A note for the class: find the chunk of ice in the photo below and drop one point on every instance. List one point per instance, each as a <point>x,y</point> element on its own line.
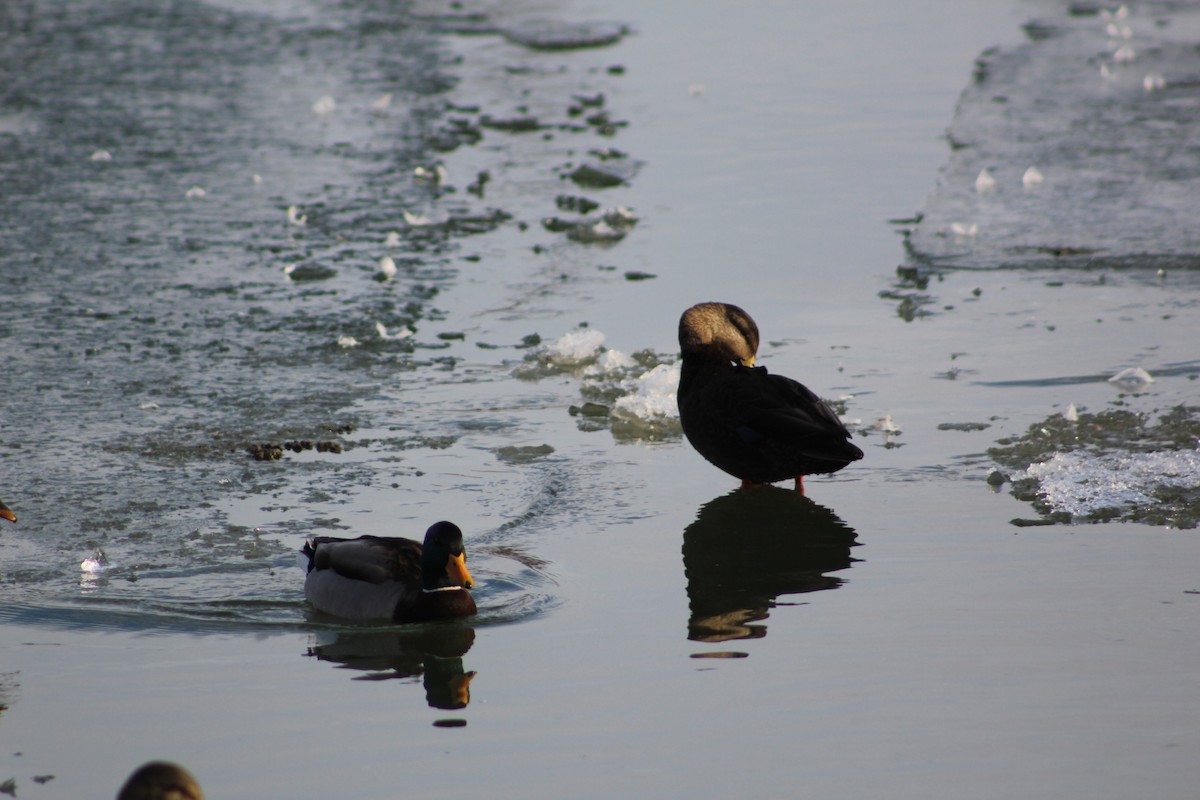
<point>576,346</point>
<point>652,395</point>
<point>1080,483</point>
<point>1131,379</point>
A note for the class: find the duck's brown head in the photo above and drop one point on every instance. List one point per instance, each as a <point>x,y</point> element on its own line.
<point>718,332</point>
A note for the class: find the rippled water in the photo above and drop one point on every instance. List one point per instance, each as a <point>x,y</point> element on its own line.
<point>207,358</point>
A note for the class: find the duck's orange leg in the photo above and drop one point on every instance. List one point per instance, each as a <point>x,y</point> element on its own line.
<point>800,484</point>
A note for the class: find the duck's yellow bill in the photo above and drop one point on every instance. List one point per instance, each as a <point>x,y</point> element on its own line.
<point>456,568</point>
<point>747,362</point>
<point>460,689</point>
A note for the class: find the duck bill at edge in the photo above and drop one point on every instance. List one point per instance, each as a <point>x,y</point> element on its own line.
<point>456,570</point>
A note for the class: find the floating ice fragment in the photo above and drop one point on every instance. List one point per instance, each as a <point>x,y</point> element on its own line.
<point>148,406</point>
<point>387,269</point>
<point>416,220</point>
<point>1124,54</point>
<point>964,229</point>
<point>100,155</point>
<point>1121,12</point>
<point>598,231</point>
<point>1071,414</point>
<point>1154,82</point>
<point>984,181</point>
<point>1106,73</point>
<point>195,193</point>
<point>346,342</point>
<point>1033,177</point>
<point>256,179</point>
<point>1131,379</point>
<point>887,425</point>
<point>1080,482</point>
<point>382,103</point>
<point>575,347</point>
<point>296,218</point>
<point>653,394</point>
<point>1119,30</point>
<point>392,239</point>
<point>435,175</point>
<point>96,562</point>
<point>403,333</point>
<point>610,361</point>
<point>324,106</point>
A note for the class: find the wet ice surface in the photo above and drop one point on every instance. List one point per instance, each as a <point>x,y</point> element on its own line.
<point>206,288</point>
<point>1115,464</point>
<point>1081,484</point>
<point>1075,148</point>
<point>369,265</point>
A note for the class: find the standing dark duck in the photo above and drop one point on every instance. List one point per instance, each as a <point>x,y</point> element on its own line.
<point>758,427</point>
<point>374,577</point>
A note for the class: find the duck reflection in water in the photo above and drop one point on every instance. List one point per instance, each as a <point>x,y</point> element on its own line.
<point>750,546</point>
<point>432,651</point>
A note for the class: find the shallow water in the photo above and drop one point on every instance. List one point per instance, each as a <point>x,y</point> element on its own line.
<point>643,628</point>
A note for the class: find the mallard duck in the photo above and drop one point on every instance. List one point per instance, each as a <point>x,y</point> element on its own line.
<point>161,780</point>
<point>759,427</point>
<point>7,513</point>
<point>375,577</point>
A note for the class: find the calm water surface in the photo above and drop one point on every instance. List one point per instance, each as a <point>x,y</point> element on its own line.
<point>644,630</point>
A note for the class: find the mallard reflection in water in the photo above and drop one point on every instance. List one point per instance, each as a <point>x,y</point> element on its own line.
<point>758,427</point>
<point>434,652</point>
<point>745,549</point>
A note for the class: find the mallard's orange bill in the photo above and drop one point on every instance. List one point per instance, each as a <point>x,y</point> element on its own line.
<point>456,568</point>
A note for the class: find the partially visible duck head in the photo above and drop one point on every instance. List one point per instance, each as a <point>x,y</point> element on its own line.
<point>718,332</point>
<point>161,780</point>
<point>444,559</point>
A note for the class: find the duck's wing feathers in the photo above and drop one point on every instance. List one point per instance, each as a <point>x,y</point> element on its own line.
<point>784,410</point>
<point>368,558</point>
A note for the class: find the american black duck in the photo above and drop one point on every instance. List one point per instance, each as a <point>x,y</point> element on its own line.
<point>758,427</point>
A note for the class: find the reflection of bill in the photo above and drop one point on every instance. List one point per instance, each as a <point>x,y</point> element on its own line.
<point>434,652</point>
<point>750,546</point>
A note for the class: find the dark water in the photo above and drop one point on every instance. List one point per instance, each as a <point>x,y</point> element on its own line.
<point>643,629</point>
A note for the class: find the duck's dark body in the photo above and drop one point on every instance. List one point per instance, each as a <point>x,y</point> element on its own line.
<point>758,427</point>
<point>375,577</point>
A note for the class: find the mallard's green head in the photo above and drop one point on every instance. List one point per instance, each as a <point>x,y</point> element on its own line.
<point>444,559</point>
